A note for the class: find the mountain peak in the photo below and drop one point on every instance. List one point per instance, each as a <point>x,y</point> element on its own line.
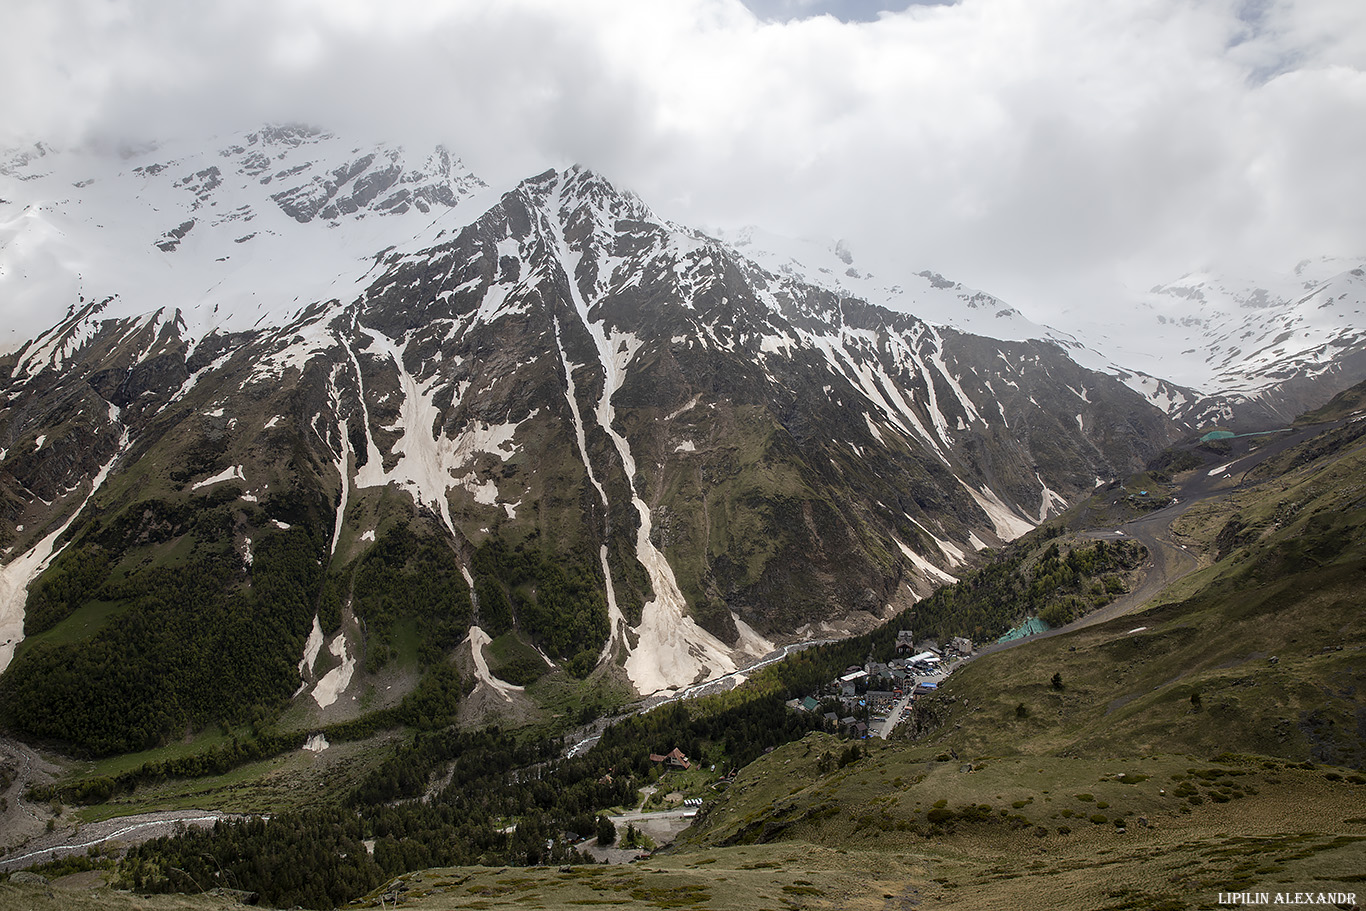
<point>238,233</point>
<point>579,190</point>
<point>291,135</point>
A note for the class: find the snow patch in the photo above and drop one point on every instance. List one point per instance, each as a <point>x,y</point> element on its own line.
<point>1048,499</point>
<point>316,743</point>
<point>304,343</point>
<point>750,640</point>
<point>955,554</point>
<point>1009,526</point>
<point>872,428</point>
<point>1157,392</point>
<point>925,566</point>
<point>616,620</point>
<point>335,681</point>
<point>685,446</point>
<point>483,491</point>
<point>874,383</point>
<point>343,464</point>
<point>428,459</point>
<point>936,359</point>
<point>776,344</point>
<point>672,650</point>
<point>19,573</point>
<point>692,403</point>
<point>477,640</point>
<point>233,472</point>
<point>312,648</point>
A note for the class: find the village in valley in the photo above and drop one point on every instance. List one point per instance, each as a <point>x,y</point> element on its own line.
<point>863,702</point>
<point>870,701</point>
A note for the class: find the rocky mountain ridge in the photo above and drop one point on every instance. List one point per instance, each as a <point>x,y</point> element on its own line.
<point>1209,349</point>
<point>637,447</point>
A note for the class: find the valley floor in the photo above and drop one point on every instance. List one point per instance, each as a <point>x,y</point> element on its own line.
<point>119,832</point>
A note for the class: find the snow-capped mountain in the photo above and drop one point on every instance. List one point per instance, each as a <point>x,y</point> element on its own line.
<point>1207,349</point>
<point>928,295</point>
<point>546,415</point>
<point>1259,352</point>
<point>213,233</point>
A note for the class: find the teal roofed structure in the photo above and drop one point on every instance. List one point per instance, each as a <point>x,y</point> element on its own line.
<point>1030,627</point>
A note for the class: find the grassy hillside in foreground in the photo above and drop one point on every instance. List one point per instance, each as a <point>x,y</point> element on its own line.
<point>1159,831</point>
<point>1264,653</point>
<point>900,829</point>
<point>77,892</point>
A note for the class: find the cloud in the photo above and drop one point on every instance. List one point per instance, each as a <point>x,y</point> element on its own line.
<point>844,10</point>
<point>1042,149</point>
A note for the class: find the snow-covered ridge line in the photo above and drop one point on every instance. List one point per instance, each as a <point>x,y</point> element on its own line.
<point>442,362</point>
<point>240,232</point>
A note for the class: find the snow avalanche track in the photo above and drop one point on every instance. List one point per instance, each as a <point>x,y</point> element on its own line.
<point>16,575</point>
<point>672,651</point>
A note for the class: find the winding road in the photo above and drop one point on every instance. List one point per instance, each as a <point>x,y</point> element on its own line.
<point>1168,561</point>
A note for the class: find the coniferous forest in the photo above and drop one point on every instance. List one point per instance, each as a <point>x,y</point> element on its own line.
<point>513,798</point>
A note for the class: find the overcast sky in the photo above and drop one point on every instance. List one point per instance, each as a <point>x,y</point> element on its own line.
<point>1040,149</point>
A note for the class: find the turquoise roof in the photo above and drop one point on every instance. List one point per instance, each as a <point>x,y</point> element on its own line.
<point>1029,628</point>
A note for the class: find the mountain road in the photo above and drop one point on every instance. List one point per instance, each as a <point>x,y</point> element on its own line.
<point>1169,561</point>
